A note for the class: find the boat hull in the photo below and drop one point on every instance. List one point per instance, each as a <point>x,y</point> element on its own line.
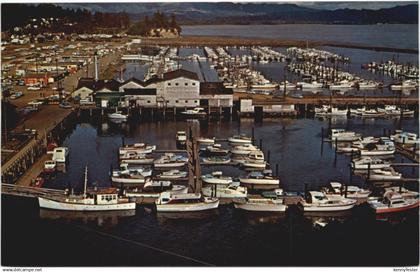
<point>64,206</point>
<point>261,208</point>
<point>326,208</point>
<point>259,181</point>
<point>385,210</point>
<point>193,207</point>
<point>169,165</point>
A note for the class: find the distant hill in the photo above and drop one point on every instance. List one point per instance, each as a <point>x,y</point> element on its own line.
<point>254,13</point>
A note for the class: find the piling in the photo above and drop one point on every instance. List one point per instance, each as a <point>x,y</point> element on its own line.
<point>253,135</point>
<point>345,190</point>
<point>268,156</point>
<point>368,174</point>
<point>122,141</point>
<point>261,143</point>
<point>277,170</point>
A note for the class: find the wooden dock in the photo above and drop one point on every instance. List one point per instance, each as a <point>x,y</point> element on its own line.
<point>28,191</point>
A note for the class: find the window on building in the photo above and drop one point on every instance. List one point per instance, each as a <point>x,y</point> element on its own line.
<point>195,101</point>
<point>167,101</point>
<point>186,101</point>
<point>176,101</point>
<point>169,84</point>
<point>176,84</point>
<point>148,101</point>
<point>186,84</point>
<point>193,83</point>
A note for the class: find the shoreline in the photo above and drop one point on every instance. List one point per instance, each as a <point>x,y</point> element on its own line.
<point>239,41</point>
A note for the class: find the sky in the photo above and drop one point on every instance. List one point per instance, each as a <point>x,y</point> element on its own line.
<point>351,5</point>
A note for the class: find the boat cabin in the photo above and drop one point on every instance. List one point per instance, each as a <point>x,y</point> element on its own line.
<point>168,198</point>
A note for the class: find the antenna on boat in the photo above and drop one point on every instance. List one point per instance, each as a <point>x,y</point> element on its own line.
<point>85,185</point>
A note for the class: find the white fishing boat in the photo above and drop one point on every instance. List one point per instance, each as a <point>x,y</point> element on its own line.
<point>385,174</point>
<point>329,111</point>
<point>168,202</point>
<point>368,85</point>
<point>310,86</point>
<point>216,149</point>
<point>216,178</point>
<point>259,178</point>
<point>407,138</point>
<point>181,137</point>
<point>320,202</point>
<point>336,188</point>
<point>261,205</point>
<point>372,113</point>
<point>139,148</point>
<point>393,202</point>
<point>343,85</point>
<point>196,112</point>
<point>93,200</point>
<point>170,160</point>
<point>133,157</point>
<point>172,174</point>
<point>154,188</point>
<point>364,163</point>
<point>216,160</point>
<point>118,116</point>
<point>231,191</point>
<point>128,178</point>
<point>206,141</point>
<point>240,139</point>
<point>386,148</point>
<point>244,149</point>
<point>343,136</point>
<point>357,111</point>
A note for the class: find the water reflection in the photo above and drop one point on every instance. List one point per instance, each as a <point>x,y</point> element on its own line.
<point>164,217</point>
<point>102,219</point>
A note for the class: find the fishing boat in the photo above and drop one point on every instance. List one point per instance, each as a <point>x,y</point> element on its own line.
<point>343,85</point>
<point>217,160</point>
<point>365,163</point>
<point>196,112</point>
<point>368,85</point>
<point>311,85</point>
<point>128,178</point>
<point>170,160</point>
<point>408,138</point>
<point>372,113</point>
<point>343,136</point>
<point>133,157</point>
<point>330,111</point>
<point>349,191</point>
<point>320,202</point>
<point>216,178</point>
<point>385,174</point>
<point>139,148</point>
<point>393,202</point>
<point>240,139</point>
<point>244,149</point>
<point>118,116</point>
<point>205,141</point>
<point>181,137</point>
<point>261,205</point>
<point>154,188</point>
<point>106,199</point>
<point>231,191</point>
<point>259,178</point>
<point>357,111</point>
<point>168,202</point>
<point>386,148</point>
<point>172,174</point>
<point>216,149</point>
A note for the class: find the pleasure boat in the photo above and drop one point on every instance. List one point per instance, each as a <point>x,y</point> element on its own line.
<point>368,85</point>
<point>343,85</point>
<point>154,188</point>
<point>395,111</point>
<point>139,148</point>
<point>358,111</point>
<point>133,157</point>
<point>372,113</point>
<point>118,116</point>
<point>244,149</point>
<point>216,178</point>
<point>170,160</point>
<point>172,174</point>
<point>312,85</point>
<point>231,191</point>
<point>330,111</point>
<point>405,85</point>
<point>364,163</point>
<point>259,178</point>
<point>319,202</point>
<point>261,205</point>
<point>217,160</point>
<point>408,138</point>
<point>206,141</point>
<point>168,202</point>
<point>336,188</point>
<point>253,163</point>
<point>405,193</point>
<point>343,135</point>
<point>216,149</point>
<point>385,174</point>
<point>393,202</point>
<point>126,168</point>
<point>196,112</point>
<point>240,139</point>
<point>106,199</point>
<point>288,85</point>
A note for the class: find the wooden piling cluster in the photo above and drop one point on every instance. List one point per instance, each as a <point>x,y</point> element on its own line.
<point>194,168</point>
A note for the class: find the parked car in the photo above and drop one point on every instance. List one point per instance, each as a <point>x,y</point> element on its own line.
<point>33,88</point>
<point>65,105</point>
<point>36,102</point>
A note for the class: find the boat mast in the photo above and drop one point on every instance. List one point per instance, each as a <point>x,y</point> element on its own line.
<point>85,185</point>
